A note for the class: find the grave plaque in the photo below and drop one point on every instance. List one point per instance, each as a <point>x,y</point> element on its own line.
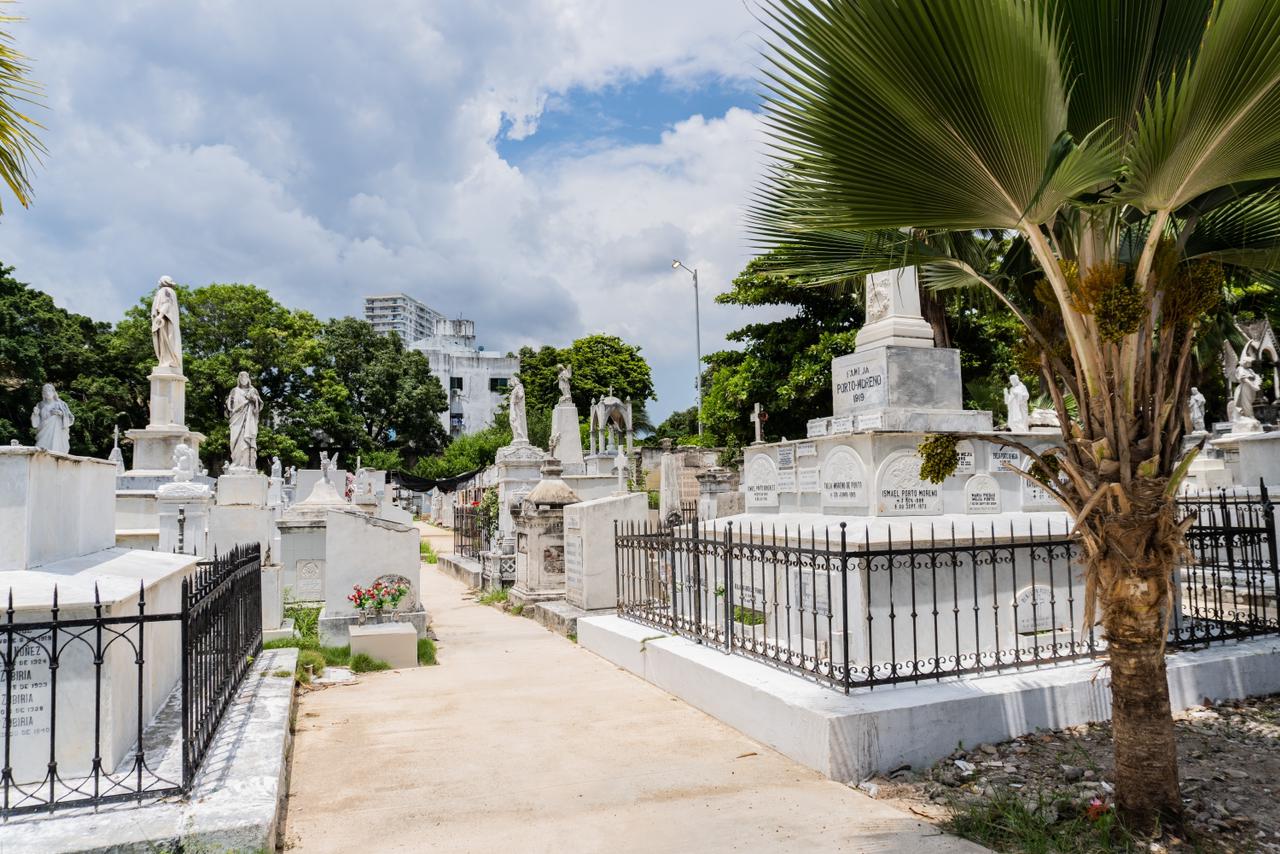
<point>842,424</point>
<point>787,480</point>
<point>859,385</point>
<point>786,456</point>
<point>981,494</point>
<point>809,479</point>
<point>1036,496</point>
<point>966,455</point>
<point>573,557</point>
<point>815,428</point>
<point>870,422</point>
<point>553,560</point>
<point>844,478</point>
<point>900,488</point>
<point>762,482</point>
<point>820,579</point>
<point>309,580</point>
<point>30,697</point>
<point>999,456</point>
<point>806,449</point>
<point>1035,609</point>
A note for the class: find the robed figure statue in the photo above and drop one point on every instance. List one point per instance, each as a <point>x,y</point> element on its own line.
<point>52,420</point>
<point>166,337</point>
<point>243,408</point>
<point>516,412</point>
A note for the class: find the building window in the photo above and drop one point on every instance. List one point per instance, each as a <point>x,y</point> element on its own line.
<point>455,383</point>
<point>498,384</point>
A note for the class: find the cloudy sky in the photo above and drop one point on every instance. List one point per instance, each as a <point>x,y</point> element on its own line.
<point>531,164</point>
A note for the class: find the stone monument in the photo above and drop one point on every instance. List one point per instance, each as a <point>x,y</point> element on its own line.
<point>566,437</point>
<point>153,446</point>
<point>896,379</point>
<point>516,413</point>
<point>52,420</point>
<point>244,405</point>
<point>540,559</point>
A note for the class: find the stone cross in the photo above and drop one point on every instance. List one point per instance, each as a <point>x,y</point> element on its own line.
<point>758,417</point>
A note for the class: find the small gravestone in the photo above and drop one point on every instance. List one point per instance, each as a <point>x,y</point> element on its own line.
<point>1035,609</point>
<point>309,586</point>
<point>808,479</point>
<point>981,494</point>
<point>844,478</point>
<point>762,482</point>
<point>901,490</point>
<point>965,457</point>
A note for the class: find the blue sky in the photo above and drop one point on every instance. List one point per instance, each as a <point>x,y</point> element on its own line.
<point>532,165</point>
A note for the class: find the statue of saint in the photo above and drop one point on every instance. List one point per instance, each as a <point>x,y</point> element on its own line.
<point>52,420</point>
<point>1016,400</point>
<point>516,413</point>
<point>166,337</point>
<point>1195,410</point>
<point>275,468</point>
<point>243,407</point>
<point>328,465</point>
<point>562,377</point>
<point>185,463</point>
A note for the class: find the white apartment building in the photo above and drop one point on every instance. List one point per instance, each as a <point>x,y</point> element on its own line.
<point>475,380</point>
<point>402,314</point>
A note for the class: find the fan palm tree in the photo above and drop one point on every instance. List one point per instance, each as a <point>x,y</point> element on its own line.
<point>1131,151</point>
<point>19,145</point>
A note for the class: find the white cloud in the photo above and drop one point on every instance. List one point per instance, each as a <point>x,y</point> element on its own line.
<point>323,152</point>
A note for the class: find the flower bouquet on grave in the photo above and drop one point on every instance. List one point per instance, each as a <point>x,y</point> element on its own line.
<point>378,598</point>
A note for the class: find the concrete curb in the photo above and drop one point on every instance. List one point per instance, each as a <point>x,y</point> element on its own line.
<point>850,737</point>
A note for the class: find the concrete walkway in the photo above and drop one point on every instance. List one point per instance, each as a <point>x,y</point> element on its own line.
<point>441,539</point>
<point>521,741</point>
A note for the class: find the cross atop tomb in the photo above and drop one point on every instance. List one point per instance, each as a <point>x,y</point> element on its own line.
<point>757,418</point>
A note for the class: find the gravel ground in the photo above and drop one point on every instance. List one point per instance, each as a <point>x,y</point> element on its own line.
<point>1230,770</point>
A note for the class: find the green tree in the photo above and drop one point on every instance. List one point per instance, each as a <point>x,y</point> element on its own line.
<point>598,362</point>
<point>680,424</point>
<point>466,453</point>
<point>784,365</point>
<point>393,400</point>
<point>1129,151</point>
<point>18,93</point>
<point>39,343</point>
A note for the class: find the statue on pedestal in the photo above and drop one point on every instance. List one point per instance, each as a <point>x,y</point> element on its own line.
<point>1195,410</point>
<point>1247,388</point>
<point>166,337</point>
<point>328,465</point>
<point>516,413</point>
<point>1016,400</point>
<point>565,373</point>
<point>52,420</point>
<point>243,407</point>
<point>275,468</point>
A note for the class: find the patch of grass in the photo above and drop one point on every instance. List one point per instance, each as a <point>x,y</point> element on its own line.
<point>281,672</point>
<point>311,657</point>
<point>747,616</point>
<point>517,610</point>
<point>427,651</point>
<point>364,663</point>
<point>493,597</point>
<point>1033,823</point>
<point>573,636</point>
<point>306,621</point>
<point>428,553</point>
<point>337,656</point>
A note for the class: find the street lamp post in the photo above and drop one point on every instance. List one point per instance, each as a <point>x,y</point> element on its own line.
<point>697,333</point>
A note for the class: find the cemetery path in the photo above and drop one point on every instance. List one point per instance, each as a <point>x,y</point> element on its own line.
<point>522,741</point>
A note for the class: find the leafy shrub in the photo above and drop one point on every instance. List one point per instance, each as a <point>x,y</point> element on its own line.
<point>426,651</point>
<point>364,663</point>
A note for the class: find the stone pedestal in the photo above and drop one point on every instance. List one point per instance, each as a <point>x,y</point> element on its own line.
<point>168,398</point>
<point>1260,458</point>
<point>183,510</point>
<point>518,472</point>
<point>712,484</point>
<point>540,568</point>
<point>53,506</point>
<point>275,491</point>
<point>564,423</point>
<point>893,312</point>
<point>896,387</point>
<point>590,555</point>
<point>669,486</point>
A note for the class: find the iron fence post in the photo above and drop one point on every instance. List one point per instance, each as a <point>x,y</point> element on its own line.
<point>844,601</point>
<point>728,587</point>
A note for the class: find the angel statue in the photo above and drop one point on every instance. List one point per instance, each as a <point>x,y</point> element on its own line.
<point>1016,398</point>
<point>516,413</point>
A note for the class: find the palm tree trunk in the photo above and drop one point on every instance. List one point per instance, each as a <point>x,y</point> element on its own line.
<point>1134,568</point>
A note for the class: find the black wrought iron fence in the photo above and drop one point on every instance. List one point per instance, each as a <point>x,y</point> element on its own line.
<point>468,535</point>
<point>89,715</point>
<point>921,603</point>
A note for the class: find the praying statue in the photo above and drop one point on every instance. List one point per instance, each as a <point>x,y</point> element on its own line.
<point>243,407</point>
<point>516,413</point>
<point>166,337</point>
<point>562,378</point>
<point>1016,400</point>
<point>1195,410</point>
<point>52,420</point>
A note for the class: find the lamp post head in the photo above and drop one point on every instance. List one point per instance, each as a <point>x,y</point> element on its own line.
<point>675,265</point>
